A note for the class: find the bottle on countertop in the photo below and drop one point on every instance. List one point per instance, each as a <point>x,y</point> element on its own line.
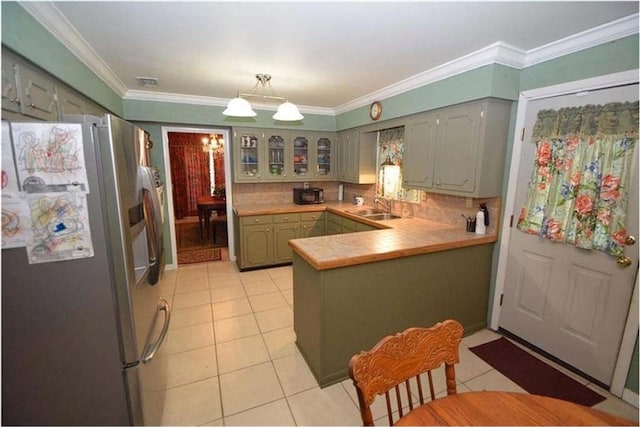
<point>483,208</point>
<point>480,227</point>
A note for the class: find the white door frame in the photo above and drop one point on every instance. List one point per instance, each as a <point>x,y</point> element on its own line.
<point>600,82</point>
<point>169,185</point>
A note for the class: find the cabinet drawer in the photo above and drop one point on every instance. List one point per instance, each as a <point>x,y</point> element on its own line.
<point>312,216</point>
<point>290,217</point>
<point>256,219</point>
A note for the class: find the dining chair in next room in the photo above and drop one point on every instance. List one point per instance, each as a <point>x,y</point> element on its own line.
<point>405,358</point>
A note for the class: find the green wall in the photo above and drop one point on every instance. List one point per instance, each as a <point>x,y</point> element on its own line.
<point>493,80</point>
<point>23,34</point>
<point>612,57</point>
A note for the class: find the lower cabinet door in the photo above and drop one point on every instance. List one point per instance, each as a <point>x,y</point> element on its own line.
<point>311,229</point>
<point>257,245</point>
<point>282,233</point>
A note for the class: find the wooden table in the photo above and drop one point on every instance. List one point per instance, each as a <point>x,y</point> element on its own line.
<point>206,205</point>
<point>485,408</point>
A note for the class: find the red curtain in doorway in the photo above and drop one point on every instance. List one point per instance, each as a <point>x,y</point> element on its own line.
<point>189,172</point>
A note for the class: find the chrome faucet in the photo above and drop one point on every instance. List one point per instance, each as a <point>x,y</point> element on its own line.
<point>386,203</point>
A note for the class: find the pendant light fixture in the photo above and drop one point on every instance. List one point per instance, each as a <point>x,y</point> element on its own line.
<point>240,107</point>
<point>389,179</point>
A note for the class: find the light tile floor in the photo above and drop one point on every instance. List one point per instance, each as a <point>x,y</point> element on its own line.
<point>233,359</point>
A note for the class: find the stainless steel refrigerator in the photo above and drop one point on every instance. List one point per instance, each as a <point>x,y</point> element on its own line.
<point>82,338</point>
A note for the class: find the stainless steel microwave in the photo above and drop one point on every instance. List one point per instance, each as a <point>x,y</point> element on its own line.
<point>308,196</point>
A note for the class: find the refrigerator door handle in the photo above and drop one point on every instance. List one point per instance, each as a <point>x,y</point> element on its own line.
<point>155,225</point>
<point>151,349</point>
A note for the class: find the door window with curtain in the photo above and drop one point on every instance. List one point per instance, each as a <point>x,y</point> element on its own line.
<point>579,187</point>
<point>390,152</point>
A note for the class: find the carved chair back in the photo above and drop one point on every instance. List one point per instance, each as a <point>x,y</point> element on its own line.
<point>399,358</point>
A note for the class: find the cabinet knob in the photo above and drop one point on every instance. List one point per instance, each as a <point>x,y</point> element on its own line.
<point>630,240</point>
<point>257,220</point>
<point>267,229</point>
<point>32,105</point>
<point>16,100</point>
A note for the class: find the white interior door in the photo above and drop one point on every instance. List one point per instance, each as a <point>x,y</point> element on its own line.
<point>566,301</point>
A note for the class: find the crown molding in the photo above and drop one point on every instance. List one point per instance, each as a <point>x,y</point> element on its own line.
<point>601,34</point>
<point>176,98</point>
<point>48,15</point>
<point>499,52</point>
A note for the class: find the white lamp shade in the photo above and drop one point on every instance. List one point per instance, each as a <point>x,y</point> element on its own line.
<point>239,107</point>
<point>287,112</point>
<point>390,181</point>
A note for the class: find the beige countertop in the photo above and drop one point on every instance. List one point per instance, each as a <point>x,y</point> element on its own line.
<point>396,238</point>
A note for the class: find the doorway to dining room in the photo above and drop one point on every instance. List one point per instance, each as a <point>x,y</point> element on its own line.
<point>197,166</point>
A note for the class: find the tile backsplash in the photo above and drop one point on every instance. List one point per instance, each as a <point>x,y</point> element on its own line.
<point>435,207</point>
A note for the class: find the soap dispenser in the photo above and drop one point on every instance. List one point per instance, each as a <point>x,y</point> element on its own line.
<point>483,208</point>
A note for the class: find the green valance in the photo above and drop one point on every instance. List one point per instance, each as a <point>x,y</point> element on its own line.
<point>614,118</point>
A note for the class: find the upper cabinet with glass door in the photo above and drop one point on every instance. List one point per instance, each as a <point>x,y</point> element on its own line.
<point>248,155</point>
<point>301,154</point>
<point>324,155</point>
<point>277,155</point>
<point>283,155</point>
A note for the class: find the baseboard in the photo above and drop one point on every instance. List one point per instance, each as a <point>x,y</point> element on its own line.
<point>631,397</point>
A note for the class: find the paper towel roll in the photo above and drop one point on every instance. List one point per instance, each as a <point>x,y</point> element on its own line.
<point>340,192</point>
<point>480,227</point>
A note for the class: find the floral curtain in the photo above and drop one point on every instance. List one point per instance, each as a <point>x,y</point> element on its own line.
<point>391,145</point>
<point>189,172</point>
<point>579,187</point>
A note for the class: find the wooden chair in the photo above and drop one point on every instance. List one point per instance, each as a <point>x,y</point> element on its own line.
<point>397,359</point>
<point>217,218</point>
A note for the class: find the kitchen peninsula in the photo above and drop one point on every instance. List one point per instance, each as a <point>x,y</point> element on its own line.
<point>352,289</point>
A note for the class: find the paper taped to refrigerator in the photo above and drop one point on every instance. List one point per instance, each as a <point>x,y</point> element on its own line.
<point>48,155</point>
<point>59,227</point>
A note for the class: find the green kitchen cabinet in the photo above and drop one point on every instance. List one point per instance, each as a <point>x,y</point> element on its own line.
<point>285,228</point>
<point>349,225</point>
<point>278,152</point>
<point>419,143</point>
<point>342,311</point>
<point>248,155</point>
<point>458,150</point>
<point>30,93</point>
<point>334,224</point>
<point>268,155</point>
<point>256,241</point>
<point>357,157</point>
<point>263,240</point>
<point>323,157</point>
<point>312,224</point>
<point>361,226</point>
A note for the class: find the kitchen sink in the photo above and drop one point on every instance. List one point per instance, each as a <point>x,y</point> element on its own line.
<point>381,216</point>
<point>366,212</point>
<point>374,214</point>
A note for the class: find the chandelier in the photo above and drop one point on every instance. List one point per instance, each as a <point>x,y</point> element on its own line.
<point>240,107</point>
<point>213,144</point>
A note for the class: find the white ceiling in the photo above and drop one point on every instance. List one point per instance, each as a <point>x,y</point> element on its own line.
<point>320,54</point>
